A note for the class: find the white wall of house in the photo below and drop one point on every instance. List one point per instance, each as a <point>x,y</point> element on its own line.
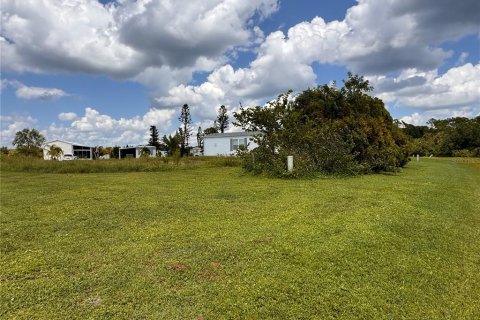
<point>66,147</point>
<point>227,143</point>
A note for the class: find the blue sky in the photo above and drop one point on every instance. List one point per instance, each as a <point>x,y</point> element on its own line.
<point>101,73</point>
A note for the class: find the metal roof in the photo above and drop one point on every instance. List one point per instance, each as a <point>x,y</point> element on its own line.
<point>72,143</point>
<point>232,134</point>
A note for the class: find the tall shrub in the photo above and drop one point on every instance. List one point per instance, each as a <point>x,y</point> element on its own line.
<point>327,130</point>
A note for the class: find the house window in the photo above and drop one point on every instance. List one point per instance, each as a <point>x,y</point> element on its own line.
<point>235,143</point>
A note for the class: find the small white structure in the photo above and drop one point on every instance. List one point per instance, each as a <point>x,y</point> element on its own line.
<point>227,143</point>
<point>196,151</point>
<point>290,163</point>
<point>70,150</point>
<point>136,152</point>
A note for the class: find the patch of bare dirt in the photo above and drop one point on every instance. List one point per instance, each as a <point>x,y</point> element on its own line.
<point>179,267</point>
<point>95,301</point>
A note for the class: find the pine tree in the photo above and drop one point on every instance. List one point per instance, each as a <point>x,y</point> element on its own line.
<point>170,143</point>
<point>186,131</point>
<point>154,139</point>
<point>221,123</point>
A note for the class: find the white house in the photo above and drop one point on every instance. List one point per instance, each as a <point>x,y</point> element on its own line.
<point>136,152</point>
<point>227,143</point>
<point>70,150</point>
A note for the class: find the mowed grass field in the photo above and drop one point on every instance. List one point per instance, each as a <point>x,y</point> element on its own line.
<point>215,243</point>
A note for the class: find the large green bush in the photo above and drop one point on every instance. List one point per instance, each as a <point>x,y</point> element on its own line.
<point>327,130</point>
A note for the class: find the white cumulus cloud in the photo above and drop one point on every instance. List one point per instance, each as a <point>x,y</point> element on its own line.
<point>11,124</point>
<point>29,92</point>
<point>94,128</point>
<point>67,116</point>
<point>375,37</point>
<point>458,87</point>
<point>420,119</point>
<point>161,43</point>
<point>127,38</point>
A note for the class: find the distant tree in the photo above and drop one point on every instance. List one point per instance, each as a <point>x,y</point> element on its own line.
<point>414,131</point>
<point>106,151</point>
<point>171,143</point>
<point>4,151</point>
<point>29,142</point>
<point>456,136</point>
<point>55,152</point>
<point>200,138</point>
<point>154,138</point>
<point>221,123</point>
<point>186,131</point>
<point>162,146</point>
<point>116,152</point>
<point>210,130</point>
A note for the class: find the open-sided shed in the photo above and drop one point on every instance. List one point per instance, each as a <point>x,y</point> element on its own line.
<point>70,150</point>
<point>136,152</point>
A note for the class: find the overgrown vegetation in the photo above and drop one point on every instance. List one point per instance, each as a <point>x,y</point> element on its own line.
<point>213,243</point>
<point>326,130</point>
<point>143,164</point>
<point>457,137</point>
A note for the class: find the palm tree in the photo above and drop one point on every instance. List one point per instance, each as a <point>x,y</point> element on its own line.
<point>55,152</point>
<point>145,152</point>
<point>171,143</point>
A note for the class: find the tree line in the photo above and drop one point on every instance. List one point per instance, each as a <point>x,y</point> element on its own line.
<point>457,137</point>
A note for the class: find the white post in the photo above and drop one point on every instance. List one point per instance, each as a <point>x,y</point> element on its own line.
<point>290,163</point>
<point>418,157</point>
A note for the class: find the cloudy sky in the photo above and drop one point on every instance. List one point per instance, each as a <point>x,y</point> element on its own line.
<point>101,72</point>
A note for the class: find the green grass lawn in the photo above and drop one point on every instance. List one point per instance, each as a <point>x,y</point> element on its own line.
<point>214,243</point>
